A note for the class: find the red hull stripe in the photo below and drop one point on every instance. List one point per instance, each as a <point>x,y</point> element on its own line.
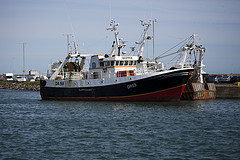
<point>170,94</point>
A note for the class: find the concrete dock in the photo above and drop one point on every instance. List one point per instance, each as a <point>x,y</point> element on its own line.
<point>230,91</point>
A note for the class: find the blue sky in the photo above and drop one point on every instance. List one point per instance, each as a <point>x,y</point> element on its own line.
<point>42,23</point>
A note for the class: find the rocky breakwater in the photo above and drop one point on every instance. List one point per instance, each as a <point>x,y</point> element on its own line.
<point>30,86</point>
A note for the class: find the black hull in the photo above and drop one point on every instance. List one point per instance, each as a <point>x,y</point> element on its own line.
<point>164,87</point>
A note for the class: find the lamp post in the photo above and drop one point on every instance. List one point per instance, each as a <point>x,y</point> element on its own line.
<point>24,59</point>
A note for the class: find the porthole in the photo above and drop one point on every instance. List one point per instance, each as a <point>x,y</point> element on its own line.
<point>94,65</point>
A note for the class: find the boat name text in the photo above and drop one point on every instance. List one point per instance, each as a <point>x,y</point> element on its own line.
<point>59,83</point>
<point>131,86</point>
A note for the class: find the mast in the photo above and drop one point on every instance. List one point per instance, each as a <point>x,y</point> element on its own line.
<point>155,20</point>
<point>200,50</point>
<point>200,64</point>
<point>118,43</point>
<point>68,42</point>
<point>113,28</point>
<point>147,25</point>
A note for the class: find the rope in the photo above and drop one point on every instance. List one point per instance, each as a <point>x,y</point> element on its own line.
<point>187,39</point>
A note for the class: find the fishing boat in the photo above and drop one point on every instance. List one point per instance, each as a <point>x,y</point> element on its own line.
<point>115,76</point>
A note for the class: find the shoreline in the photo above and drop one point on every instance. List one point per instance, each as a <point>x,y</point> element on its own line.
<point>28,86</point>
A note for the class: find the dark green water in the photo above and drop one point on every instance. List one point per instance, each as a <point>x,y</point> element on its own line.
<point>34,129</point>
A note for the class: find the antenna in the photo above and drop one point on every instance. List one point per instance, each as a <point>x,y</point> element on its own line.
<point>68,42</point>
<point>155,20</point>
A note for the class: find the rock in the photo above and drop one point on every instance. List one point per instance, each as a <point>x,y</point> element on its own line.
<point>31,86</point>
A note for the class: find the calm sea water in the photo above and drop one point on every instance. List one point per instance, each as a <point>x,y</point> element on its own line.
<point>34,129</point>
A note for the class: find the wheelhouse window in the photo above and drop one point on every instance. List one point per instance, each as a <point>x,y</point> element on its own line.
<point>126,63</point>
<point>134,63</point>
<point>117,63</point>
<point>130,63</point>
<point>107,63</point>
<point>112,63</point>
<point>121,63</point>
<point>101,64</point>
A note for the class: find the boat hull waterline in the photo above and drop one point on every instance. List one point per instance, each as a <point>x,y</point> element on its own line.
<point>162,87</point>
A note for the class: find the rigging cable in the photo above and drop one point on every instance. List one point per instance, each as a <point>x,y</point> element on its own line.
<point>174,47</point>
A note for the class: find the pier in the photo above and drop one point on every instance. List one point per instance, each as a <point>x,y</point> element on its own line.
<point>230,91</point>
